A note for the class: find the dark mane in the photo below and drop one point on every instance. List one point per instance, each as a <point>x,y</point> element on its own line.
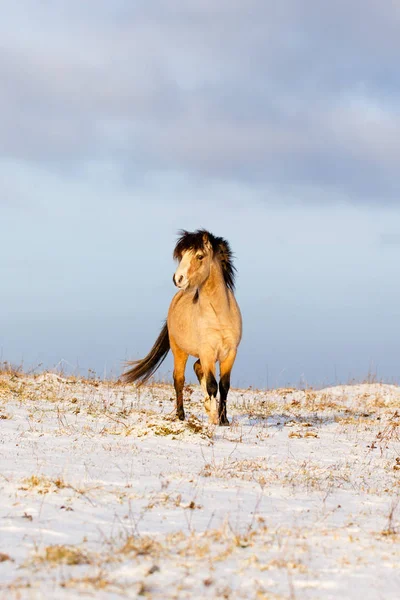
<point>194,240</point>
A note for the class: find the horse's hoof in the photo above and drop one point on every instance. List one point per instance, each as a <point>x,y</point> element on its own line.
<point>181,415</point>
<point>224,422</point>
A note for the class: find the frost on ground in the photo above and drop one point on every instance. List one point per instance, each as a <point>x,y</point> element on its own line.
<point>104,494</point>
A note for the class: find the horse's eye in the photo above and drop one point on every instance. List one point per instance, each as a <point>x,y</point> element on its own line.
<point>200,256</point>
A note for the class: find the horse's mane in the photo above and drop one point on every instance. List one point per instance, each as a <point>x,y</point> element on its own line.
<point>194,240</point>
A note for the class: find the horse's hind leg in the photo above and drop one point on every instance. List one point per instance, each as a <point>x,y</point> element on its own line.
<point>202,380</point>
<point>180,360</point>
<point>198,370</point>
<point>210,387</point>
<point>224,385</point>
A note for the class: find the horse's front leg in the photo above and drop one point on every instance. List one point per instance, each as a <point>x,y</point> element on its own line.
<point>224,385</point>
<point>180,360</point>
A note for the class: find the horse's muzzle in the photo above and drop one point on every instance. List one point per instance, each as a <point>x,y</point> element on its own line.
<point>177,283</point>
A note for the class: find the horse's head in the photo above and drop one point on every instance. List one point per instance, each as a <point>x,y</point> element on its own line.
<point>195,254</point>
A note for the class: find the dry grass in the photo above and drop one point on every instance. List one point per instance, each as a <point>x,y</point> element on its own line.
<point>5,557</point>
<point>88,583</point>
<point>171,426</point>
<point>275,451</point>
<point>7,368</point>
<point>59,554</point>
<point>42,484</point>
<point>141,546</point>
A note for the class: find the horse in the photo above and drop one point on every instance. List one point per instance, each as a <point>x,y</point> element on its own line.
<point>203,321</point>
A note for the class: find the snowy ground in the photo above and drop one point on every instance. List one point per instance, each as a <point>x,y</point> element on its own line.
<point>104,494</point>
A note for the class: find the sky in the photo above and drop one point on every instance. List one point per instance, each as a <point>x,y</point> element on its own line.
<point>274,125</point>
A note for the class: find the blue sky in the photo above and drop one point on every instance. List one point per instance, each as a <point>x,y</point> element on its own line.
<point>276,127</point>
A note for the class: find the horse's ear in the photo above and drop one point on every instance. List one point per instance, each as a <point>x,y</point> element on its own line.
<point>206,242</point>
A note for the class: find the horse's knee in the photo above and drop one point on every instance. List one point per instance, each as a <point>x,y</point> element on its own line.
<point>179,382</point>
<point>224,385</point>
<point>212,386</point>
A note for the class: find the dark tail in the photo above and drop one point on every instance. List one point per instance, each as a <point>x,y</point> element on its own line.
<point>143,369</point>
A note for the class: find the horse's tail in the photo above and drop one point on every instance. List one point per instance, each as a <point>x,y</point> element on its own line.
<point>143,369</point>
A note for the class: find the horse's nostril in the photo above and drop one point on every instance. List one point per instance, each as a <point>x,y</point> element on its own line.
<point>180,279</point>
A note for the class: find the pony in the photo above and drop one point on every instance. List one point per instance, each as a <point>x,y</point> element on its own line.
<point>203,321</point>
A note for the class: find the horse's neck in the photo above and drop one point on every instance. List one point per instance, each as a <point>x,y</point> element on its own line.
<point>214,289</point>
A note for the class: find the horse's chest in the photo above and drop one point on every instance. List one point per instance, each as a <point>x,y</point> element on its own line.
<point>219,334</point>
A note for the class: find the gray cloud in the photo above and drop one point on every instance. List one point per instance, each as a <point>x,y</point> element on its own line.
<point>287,94</point>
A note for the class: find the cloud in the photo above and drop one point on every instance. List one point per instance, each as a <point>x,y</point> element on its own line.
<point>258,92</point>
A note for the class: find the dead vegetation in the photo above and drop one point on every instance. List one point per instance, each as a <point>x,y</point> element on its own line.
<point>62,555</point>
<point>186,506</point>
<point>5,557</point>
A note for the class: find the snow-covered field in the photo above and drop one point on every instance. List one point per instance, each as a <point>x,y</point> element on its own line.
<point>104,494</point>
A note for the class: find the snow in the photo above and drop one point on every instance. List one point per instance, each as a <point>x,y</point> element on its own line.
<point>105,494</point>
